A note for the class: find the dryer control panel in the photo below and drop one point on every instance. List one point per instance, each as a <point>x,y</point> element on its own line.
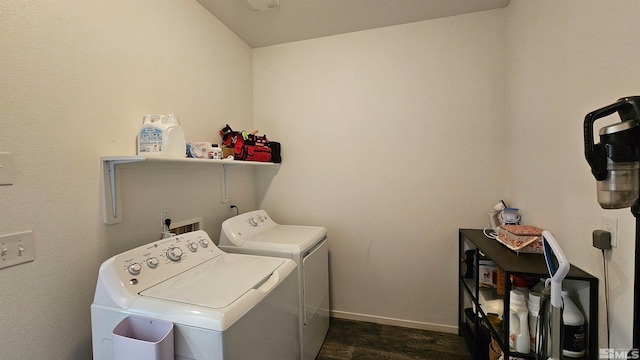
<point>150,264</point>
<point>243,227</point>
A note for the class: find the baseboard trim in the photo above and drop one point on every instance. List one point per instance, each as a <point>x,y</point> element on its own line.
<point>395,322</point>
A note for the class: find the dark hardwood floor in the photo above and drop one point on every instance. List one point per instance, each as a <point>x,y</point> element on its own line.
<point>358,340</point>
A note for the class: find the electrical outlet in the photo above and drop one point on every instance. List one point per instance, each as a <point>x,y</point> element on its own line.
<point>164,214</point>
<point>16,248</point>
<point>610,224</point>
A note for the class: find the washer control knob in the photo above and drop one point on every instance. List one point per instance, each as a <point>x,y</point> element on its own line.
<point>134,269</point>
<point>152,262</point>
<point>253,222</point>
<point>204,243</point>
<point>193,246</point>
<point>174,253</point>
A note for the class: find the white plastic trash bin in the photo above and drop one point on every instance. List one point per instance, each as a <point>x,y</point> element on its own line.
<point>143,339</point>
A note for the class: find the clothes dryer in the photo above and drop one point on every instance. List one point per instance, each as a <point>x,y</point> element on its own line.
<point>257,234</point>
<point>222,306</point>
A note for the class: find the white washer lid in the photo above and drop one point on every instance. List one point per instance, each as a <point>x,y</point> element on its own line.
<point>218,282</point>
<point>293,238</point>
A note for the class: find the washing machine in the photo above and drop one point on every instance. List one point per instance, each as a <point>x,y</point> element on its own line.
<point>222,306</point>
<point>257,234</point>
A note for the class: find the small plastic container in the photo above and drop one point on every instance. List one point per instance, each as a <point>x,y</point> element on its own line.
<point>216,152</point>
<point>143,339</point>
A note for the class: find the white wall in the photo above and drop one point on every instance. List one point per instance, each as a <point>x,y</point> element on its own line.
<point>76,77</point>
<point>393,139</point>
<point>346,108</point>
<point>565,59</point>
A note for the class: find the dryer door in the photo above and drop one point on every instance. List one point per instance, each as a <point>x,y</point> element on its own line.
<point>315,266</point>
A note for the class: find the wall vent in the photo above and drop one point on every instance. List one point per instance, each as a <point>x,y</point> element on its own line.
<point>185,226</point>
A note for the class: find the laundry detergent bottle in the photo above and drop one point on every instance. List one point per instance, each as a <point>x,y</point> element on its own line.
<point>161,135</point>
<point>533,305</point>
<point>518,323</point>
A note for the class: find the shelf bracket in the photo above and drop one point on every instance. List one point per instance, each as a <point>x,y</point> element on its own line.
<point>110,181</point>
<point>225,189</point>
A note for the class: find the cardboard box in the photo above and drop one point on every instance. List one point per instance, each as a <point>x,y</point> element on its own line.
<point>487,273</point>
<point>205,148</point>
<point>227,151</point>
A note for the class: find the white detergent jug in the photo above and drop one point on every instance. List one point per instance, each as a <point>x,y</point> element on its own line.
<point>518,323</point>
<point>161,135</point>
<point>534,310</point>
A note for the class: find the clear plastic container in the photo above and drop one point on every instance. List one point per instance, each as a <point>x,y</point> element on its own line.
<point>620,188</point>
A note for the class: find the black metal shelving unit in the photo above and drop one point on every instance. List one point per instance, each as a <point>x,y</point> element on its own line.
<point>471,324</point>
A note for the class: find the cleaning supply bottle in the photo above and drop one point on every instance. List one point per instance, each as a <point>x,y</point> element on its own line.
<point>573,343</point>
<point>534,309</point>
<point>520,283</point>
<point>216,152</point>
<point>518,323</point>
<point>161,135</point>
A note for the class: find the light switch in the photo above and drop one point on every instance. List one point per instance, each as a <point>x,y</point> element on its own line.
<point>6,168</point>
<point>16,248</point>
